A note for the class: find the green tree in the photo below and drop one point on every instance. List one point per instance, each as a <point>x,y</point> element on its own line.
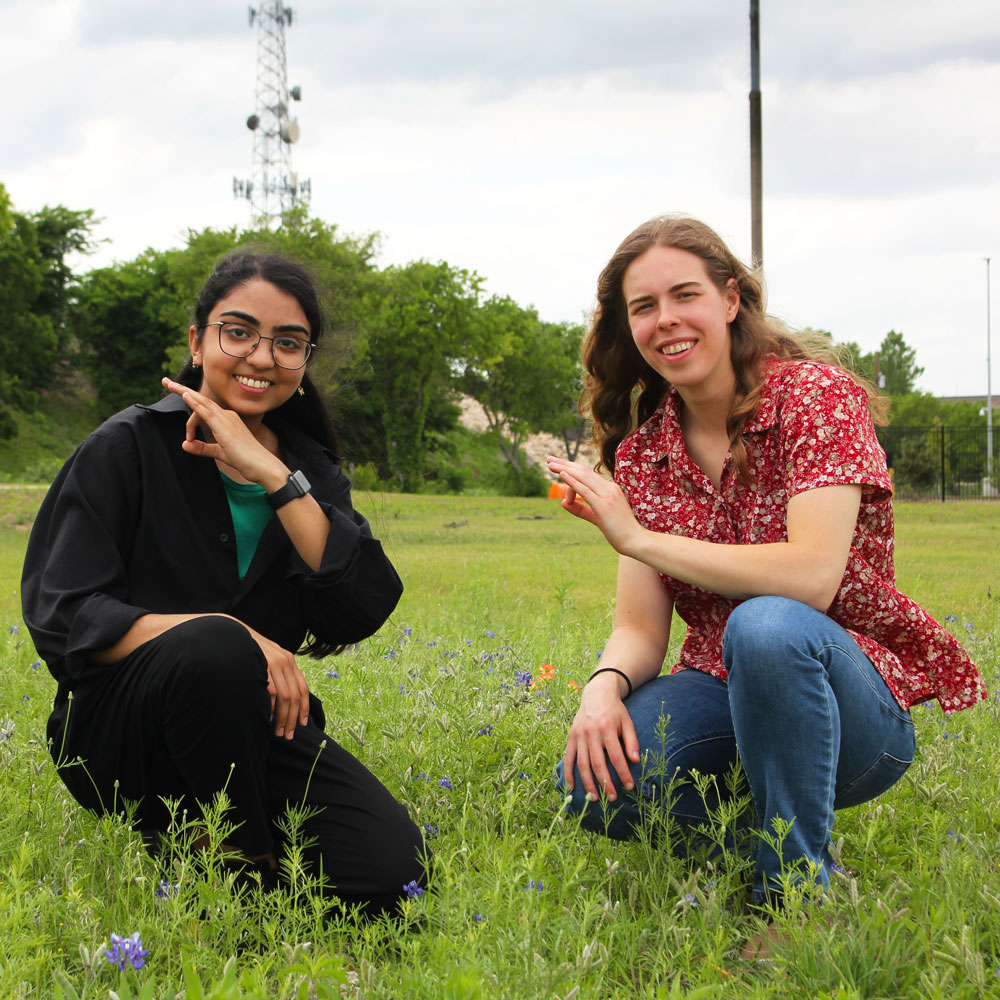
<point>897,365</point>
<point>36,289</point>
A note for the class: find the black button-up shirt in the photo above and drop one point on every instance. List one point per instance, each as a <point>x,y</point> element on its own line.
<point>133,524</point>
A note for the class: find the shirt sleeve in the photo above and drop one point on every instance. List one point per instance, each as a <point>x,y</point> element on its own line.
<point>74,584</point>
<point>828,436</point>
<point>356,587</point>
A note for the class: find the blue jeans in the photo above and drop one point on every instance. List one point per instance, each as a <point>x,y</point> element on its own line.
<point>806,714</point>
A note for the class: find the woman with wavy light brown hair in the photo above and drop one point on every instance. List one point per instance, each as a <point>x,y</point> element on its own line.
<point>751,496</point>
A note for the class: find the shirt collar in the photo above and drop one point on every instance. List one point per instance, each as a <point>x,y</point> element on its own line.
<point>171,403</point>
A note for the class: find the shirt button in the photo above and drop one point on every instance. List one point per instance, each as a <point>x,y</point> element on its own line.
<point>223,537</point>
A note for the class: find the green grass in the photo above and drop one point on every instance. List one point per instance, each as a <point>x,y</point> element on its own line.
<point>517,585</point>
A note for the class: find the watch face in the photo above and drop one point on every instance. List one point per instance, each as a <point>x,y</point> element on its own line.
<point>300,482</point>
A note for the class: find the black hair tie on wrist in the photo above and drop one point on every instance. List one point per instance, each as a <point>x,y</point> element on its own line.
<point>613,670</point>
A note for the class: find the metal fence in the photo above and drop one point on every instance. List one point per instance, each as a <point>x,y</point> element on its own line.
<point>942,463</point>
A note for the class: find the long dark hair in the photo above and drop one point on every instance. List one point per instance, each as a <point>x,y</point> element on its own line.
<point>307,411</point>
<point>621,391</point>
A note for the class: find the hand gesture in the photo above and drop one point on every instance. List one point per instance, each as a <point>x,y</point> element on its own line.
<point>597,500</point>
<point>286,685</point>
<point>601,727</point>
<point>232,442</point>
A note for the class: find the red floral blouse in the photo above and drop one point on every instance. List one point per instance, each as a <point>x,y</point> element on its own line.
<point>811,429</point>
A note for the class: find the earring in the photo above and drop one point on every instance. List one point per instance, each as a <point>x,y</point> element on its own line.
<point>195,364</point>
<point>300,391</point>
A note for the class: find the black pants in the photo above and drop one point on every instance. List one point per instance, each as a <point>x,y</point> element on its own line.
<point>186,715</point>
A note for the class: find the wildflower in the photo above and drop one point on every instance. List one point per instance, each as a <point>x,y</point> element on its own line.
<point>391,654</point>
<point>422,776</point>
<point>431,829</point>
<point>468,642</point>
<point>407,630</point>
<point>485,731</point>
<point>969,627</point>
<point>412,889</point>
<point>491,635</point>
<point>523,677</point>
<point>951,618</point>
<point>446,784</point>
<point>165,890</point>
<point>127,951</point>
<point>402,689</point>
<point>690,901</point>
<point>480,917</point>
<point>14,629</point>
<point>25,697</point>
<point>839,869</point>
<point>546,673</point>
<point>432,644</point>
<point>36,664</point>
<point>332,673</point>
<point>524,775</point>
<point>573,686</point>
<point>533,885</point>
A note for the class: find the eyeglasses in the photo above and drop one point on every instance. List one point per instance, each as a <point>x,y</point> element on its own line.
<point>241,341</point>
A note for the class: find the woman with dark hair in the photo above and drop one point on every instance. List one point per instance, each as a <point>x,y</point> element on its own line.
<point>183,555</point>
<point>750,495</point>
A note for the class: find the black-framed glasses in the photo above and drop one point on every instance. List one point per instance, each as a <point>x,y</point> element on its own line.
<point>239,341</point>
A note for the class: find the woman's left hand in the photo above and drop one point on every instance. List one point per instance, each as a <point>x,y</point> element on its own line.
<point>232,442</point>
<point>599,501</point>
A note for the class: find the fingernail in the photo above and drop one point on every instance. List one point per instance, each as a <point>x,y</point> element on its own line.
<point>280,732</point>
<point>629,787</point>
<point>591,797</point>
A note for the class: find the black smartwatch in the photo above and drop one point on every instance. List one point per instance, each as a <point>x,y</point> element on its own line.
<point>297,486</point>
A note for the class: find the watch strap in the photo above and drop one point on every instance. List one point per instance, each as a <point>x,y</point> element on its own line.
<point>297,486</point>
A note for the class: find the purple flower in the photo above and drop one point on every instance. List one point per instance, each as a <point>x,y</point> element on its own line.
<point>533,885</point>
<point>523,775</point>
<point>951,618</point>
<point>468,642</point>
<point>14,629</point>
<point>407,630</point>
<point>523,677</point>
<point>332,673</point>
<point>412,889</point>
<point>446,783</point>
<point>489,635</point>
<point>127,951</point>
<point>480,917</point>
<point>422,776</point>
<point>36,664</point>
<point>165,890</point>
<point>485,731</point>
<point>431,829</point>
<point>402,689</point>
<point>690,901</point>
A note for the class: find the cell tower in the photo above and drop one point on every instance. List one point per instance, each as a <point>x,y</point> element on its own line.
<point>274,187</point>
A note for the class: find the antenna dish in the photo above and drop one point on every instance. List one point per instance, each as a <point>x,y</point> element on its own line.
<point>290,131</point>
<point>252,122</point>
<point>296,93</point>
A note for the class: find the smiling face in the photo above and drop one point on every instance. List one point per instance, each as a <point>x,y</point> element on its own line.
<point>253,385</point>
<point>680,321</point>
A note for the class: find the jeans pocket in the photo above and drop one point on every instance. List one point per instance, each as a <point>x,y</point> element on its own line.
<point>884,772</point>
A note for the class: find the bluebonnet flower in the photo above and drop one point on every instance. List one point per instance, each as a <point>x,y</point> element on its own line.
<point>14,629</point>
<point>36,664</point>
<point>25,697</point>
<point>432,644</point>
<point>127,951</point>
<point>485,731</point>
<point>391,654</point>
<point>533,885</point>
<point>468,642</point>
<point>480,917</point>
<point>524,775</point>
<point>407,630</point>
<point>489,635</point>
<point>690,901</point>
<point>412,889</point>
<point>969,627</point>
<point>431,829</point>
<point>600,653</point>
<point>332,673</point>
<point>951,618</point>
<point>422,776</point>
<point>838,869</point>
<point>402,689</point>
<point>446,784</point>
<point>522,677</point>
<point>165,890</point>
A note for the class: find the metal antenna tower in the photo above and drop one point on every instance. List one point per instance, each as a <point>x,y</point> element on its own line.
<point>273,187</point>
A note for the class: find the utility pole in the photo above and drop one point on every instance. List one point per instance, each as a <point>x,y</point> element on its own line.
<point>756,183</point>
<point>989,383</point>
<point>273,187</point>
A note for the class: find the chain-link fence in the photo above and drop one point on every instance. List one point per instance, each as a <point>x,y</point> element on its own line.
<point>942,463</point>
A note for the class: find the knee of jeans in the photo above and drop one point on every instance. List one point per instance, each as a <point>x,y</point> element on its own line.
<point>754,630</point>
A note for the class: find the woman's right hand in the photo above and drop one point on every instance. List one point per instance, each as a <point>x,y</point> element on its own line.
<point>601,726</point>
<point>286,685</point>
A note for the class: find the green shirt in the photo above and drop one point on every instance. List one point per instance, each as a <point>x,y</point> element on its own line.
<point>251,512</point>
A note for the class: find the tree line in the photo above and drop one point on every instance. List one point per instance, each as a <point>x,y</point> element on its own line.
<point>406,342</point>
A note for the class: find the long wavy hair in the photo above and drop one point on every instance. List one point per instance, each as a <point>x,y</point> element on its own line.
<point>621,391</point>
<point>306,411</point>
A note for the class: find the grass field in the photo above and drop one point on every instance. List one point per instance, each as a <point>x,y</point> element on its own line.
<point>523,905</point>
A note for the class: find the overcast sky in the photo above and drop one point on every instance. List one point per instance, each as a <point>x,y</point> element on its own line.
<point>523,139</point>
